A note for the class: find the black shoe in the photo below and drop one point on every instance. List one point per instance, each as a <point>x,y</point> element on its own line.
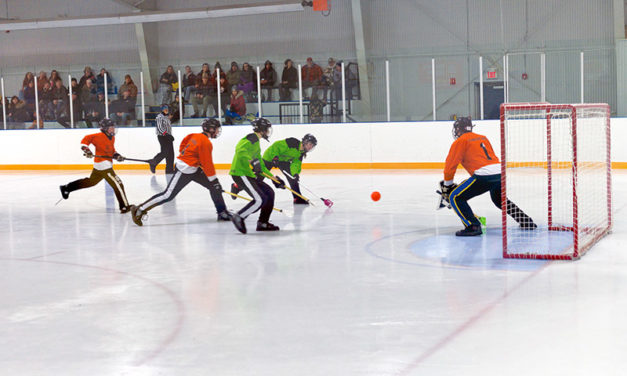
<point>125,209</point>
<point>225,216</point>
<point>266,226</point>
<point>235,189</point>
<point>137,217</point>
<point>153,167</point>
<point>300,201</point>
<point>64,192</point>
<point>472,230</point>
<point>528,226</point>
<point>239,223</point>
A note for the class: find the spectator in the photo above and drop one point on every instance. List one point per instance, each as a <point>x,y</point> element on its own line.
<point>203,89</point>
<point>29,98</point>
<point>53,77</point>
<point>311,75</point>
<point>59,98</point>
<point>28,77</point>
<point>95,110</point>
<point>168,78</point>
<point>349,82</point>
<point>88,75</point>
<point>189,83</point>
<point>316,108</point>
<point>289,80</point>
<point>205,69</point>
<point>100,80</point>
<point>123,109</point>
<point>77,109</point>
<point>237,106</point>
<point>247,81</point>
<point>130,86</point>
<point>268,79</point>
<point>74,85</point>
<point>175,114</point>
<point>45,99</point>
<point>224,91</point>
<point>87,93</point>
<point>327,76</point>
<point>16,111</point>
<point>233,75</point>
<point>42,79</point>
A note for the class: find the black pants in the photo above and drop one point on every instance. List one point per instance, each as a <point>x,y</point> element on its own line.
<point>285,167</point>
<point>96,176</point>
<point>476,185</point>
<point>178,181</point>
<point>167,152</point>
<point>262,194</point>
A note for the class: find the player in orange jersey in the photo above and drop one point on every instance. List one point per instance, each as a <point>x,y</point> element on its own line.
<point>103,167</point>
<point>194,163</point>
<point>476,155</point>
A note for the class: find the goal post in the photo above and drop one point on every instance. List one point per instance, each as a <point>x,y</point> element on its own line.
<point>556,167</point>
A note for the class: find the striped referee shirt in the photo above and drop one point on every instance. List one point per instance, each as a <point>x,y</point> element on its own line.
<point>164,126</point>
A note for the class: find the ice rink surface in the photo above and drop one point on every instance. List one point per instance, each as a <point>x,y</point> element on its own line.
<point>363,288</point>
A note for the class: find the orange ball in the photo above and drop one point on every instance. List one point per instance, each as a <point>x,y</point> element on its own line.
<point>375,196</point>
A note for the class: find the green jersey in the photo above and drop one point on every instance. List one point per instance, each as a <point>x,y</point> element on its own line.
<point>246,150</point>
<point>287,150</point>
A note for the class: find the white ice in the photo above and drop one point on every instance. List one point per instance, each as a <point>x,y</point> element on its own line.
<point>363,288</point>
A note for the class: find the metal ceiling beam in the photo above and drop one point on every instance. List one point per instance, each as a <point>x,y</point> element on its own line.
<point>154,16</point>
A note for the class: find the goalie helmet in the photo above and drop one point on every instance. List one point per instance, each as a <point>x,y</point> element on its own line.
<point>263,126</point>
<point>105,124</point>
<point>462,125</point>
<point>212,127</point>
<point>310,139</point>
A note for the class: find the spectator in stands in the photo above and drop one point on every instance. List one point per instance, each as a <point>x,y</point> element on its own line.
<point>311,75</point>
<point>95,110</point>
<point>174,111</point>
<point>224,94</point>
<point>203,89</point>
<point>45,100</point>
<point>237,106</point>
<point>53,77</point>
<point>268,79</point>
<point>29,98</point>
<point>42,79</point>
<point>28,77</point>
<point>316,108</point>
<point>88,75</point>
<point>349,82</point>
<point>16,111</point>
<point>123,109</point>
<point>247,81</point>
<point>327,77</point>
<point>74,85</point>
<point>65,119</point>
<point>59,98</point>
<point>168,78</point>
<point>130,86</point>
<point>87,93</point>
<point>289,80</point>
<point>205,69</point>
<point>189,83</point>
<point>100,80</point>
<point>233,75</point>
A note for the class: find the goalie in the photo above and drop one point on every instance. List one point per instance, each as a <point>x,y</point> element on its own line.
<point>476,155</point>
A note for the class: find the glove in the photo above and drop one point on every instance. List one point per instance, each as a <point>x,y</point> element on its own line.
<point>279,183</point>
<point>215,185</point>
<point>256,167</point>
<point>446,189</point>
<point>118,157</point>
<point>170,137</point>
<point>86,152</point>
<point>275,162</point>
<point>296,177</point>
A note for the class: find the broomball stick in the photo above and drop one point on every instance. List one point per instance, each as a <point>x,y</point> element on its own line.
<point>326,201</point>
<point>249,199</point>
<point>126,159</point>
<point>289,189</point>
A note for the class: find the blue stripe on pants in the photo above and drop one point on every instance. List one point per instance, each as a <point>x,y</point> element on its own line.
<point>452,199</point>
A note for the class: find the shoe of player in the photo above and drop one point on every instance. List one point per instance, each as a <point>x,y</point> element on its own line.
<point>472,230</point>
<point>234,189</point>
<point>300,201</point>
<point>137,217</point>
<point>64,192</point>
<point>153,167</point>
<point>225,216</point>
<point>125,209</point>
<point>266,226</point>
<point>239,223</point>
<point>528,225</point>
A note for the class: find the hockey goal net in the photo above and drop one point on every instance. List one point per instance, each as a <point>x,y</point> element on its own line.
<point>555,165</point>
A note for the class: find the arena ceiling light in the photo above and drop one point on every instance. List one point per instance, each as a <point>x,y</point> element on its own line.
<point>154,16</point>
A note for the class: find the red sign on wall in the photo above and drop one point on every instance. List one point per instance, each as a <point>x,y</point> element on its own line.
<point>491,74</point>
<point>452,81</point>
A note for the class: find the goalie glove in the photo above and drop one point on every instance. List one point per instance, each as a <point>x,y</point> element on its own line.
<point>445,190</point>
<point>86,152</point>
<point>118,157</point>
<point>279,183</point>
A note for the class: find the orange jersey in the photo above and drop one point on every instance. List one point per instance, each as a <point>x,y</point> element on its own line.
<point>473,151</point>
<point>104,145</point>
<point>196,150</point>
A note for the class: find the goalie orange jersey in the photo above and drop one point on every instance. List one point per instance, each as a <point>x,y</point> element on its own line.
<point>196,150</point>
<point>473,151</point>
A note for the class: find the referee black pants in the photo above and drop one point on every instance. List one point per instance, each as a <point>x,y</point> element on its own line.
<point>96,176</point>
<point>167,152</point>
<point>178,181</point>
<point>476,185</point>
<point>262,195</point>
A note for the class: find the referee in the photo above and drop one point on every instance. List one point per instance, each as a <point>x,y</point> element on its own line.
<point>164,135</point>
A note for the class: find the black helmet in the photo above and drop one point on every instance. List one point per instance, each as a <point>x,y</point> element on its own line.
<point>310,139</point>
<point>213,127</point>
<point>263,126</point>
<point>105,124</point>
<point>462,125</point>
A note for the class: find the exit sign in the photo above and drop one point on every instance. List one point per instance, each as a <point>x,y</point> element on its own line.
<point>491,74</point>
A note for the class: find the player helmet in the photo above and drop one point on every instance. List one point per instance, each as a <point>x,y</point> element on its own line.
<point>263,126</point>
<point>309,138</point>
<point>462,125</point>
<point>105,124</point>
<point>212,127</point>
